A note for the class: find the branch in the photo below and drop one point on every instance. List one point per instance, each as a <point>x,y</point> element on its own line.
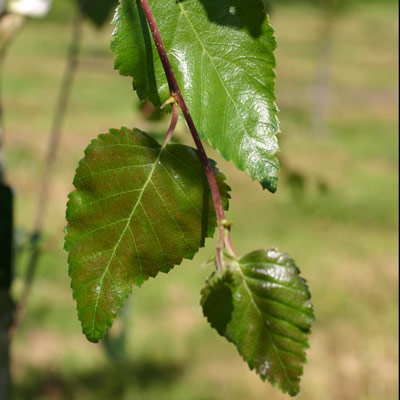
<point>51,155</point>
<point>175,92</point>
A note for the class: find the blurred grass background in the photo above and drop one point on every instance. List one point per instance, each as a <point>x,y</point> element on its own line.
<point>341,226</point>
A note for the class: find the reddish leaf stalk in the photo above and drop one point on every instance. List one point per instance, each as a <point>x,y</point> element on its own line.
<point>175,92</point>
<point>174,121</point>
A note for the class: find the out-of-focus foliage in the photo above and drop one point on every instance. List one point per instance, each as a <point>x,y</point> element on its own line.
<point>337,5</point>
<point>98,11</point>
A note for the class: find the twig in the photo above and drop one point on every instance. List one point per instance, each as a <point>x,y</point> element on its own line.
<point>51,155</point>
<point>174,121</point>
<point>175,92</point>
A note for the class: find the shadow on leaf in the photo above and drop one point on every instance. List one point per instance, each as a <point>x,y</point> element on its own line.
<point>238,14</point>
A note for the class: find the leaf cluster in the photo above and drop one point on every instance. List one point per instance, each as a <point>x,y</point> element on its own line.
<point>222,55</point>
<point>140,207</point>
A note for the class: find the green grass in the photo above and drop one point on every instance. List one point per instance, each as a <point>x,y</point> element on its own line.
<point>344,237</point>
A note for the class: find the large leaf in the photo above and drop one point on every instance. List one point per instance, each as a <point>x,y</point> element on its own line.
<point>98,11</point>
<point>222,55</point>
<point>138,209</point>
<point>262,306</point>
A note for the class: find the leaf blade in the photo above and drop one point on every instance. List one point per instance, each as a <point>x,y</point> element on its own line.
<point>271,315</point>
<point>130,217</point>
<point>222,56</point>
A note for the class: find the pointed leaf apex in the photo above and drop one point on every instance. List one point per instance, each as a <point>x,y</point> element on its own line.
<point>262,306</point>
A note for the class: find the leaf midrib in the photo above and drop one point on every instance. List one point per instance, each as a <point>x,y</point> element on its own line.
<point>219,77</point>
<point>266,328</point>
<point>122,235</point>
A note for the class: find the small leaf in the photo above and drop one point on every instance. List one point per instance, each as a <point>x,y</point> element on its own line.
<point>98,11</point>
<point>269,316</point>
<point>222,56</point>
<point>138,209</point>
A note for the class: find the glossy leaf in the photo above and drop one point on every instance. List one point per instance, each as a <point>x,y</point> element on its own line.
<point>222,55</point>
<point>98,11</point>
<point>137,209</point>
<point>262,306</point>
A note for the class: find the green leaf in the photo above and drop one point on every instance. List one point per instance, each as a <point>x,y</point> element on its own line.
<point>98,11</point>
<point>137,209</point>
<point>262,306</point>
<point>222,55</point>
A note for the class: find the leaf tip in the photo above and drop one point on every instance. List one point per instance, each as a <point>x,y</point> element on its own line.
<point>92,339</point>
<point>270,184</point>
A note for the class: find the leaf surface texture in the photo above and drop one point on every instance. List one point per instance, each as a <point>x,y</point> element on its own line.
<point>262,306</point>
<point>222,55</point>
<point>137,209</point>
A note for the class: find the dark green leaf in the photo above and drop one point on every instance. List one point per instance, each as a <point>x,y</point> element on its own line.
<point>269,316</point>
<point>98,11</point>
<point>217,301</point>
<point>138,209</point>
<point>222,55</point>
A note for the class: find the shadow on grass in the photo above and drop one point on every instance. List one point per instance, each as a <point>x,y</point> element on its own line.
<point>106,382</point>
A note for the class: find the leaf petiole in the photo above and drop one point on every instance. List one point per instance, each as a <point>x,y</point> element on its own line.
<point>176,93</point>
<point>172,126</point>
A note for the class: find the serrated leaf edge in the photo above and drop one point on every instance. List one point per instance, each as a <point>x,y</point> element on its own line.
<point>68,246</point>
